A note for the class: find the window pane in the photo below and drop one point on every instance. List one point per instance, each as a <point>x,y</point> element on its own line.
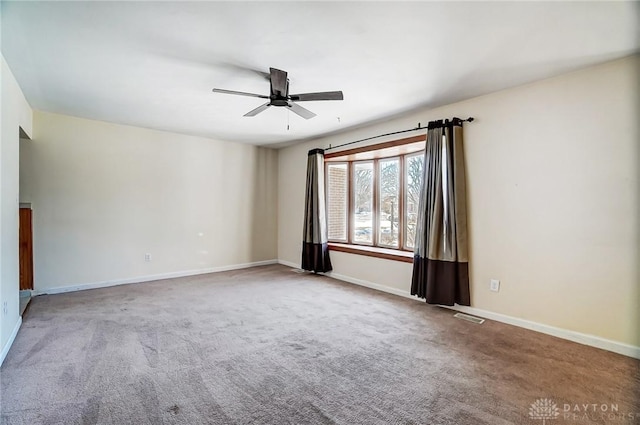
<point>413,167</point>
<point>389,197</point>
<point>337,181</point>
<point>363,202</point>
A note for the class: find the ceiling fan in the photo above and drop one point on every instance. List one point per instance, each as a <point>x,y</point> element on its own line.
<point>280,96</point>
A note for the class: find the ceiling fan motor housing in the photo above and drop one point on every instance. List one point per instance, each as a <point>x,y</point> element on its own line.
<point>278,101</point>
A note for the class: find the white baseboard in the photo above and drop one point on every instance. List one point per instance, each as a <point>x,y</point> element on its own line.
<point>289,264</point>
<point>581,338</point>
<point>383,288</point>
<point>12,337</point>
<point>148,278</point>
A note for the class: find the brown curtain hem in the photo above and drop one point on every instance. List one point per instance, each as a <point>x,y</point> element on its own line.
<point>441,282</point>
<point>315,257</point>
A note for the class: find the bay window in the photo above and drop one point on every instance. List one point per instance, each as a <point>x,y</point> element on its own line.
<point>373,195</point>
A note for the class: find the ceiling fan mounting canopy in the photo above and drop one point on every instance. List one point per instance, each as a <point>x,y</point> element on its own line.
<point>279,96</point>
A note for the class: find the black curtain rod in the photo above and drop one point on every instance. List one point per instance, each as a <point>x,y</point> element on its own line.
<point>419,127</point>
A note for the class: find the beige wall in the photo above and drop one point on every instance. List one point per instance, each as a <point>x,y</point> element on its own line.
<point>553,191</point>
<point>16,114</point>
<point>104,195</point>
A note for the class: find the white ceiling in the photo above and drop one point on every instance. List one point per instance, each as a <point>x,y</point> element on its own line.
<point>153,64</point>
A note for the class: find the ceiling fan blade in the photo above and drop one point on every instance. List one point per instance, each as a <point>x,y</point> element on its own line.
<point>279,83</point>
<point>303,112</point>
<point>238,67</point>
<point>256,111</point>
<point>326,95</point>
<point>241,93</point>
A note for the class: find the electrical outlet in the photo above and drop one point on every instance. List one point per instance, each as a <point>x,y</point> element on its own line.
<point>147,257</point>
<point>495,285</point>
<point>5,309</point>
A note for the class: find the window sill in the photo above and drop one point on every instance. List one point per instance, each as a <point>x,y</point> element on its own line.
<point>373,251</point>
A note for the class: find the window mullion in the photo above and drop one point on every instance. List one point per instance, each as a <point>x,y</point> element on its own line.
<point>350,209</point>
<point>401,188</point>
<point>376,197</point>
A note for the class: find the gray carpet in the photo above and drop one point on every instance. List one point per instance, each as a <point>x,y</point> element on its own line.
<point>271,346</point>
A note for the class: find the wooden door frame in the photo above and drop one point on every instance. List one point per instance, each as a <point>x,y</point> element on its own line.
<point>26,252</point>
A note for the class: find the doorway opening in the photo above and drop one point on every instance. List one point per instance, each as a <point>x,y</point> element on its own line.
<point>25,243</point>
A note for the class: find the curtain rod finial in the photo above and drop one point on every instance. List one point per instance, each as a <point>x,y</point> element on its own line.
<point>470,119</point>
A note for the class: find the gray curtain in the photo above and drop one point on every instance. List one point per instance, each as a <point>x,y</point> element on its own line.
<point>315,251</point>
<point>440,263</point>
